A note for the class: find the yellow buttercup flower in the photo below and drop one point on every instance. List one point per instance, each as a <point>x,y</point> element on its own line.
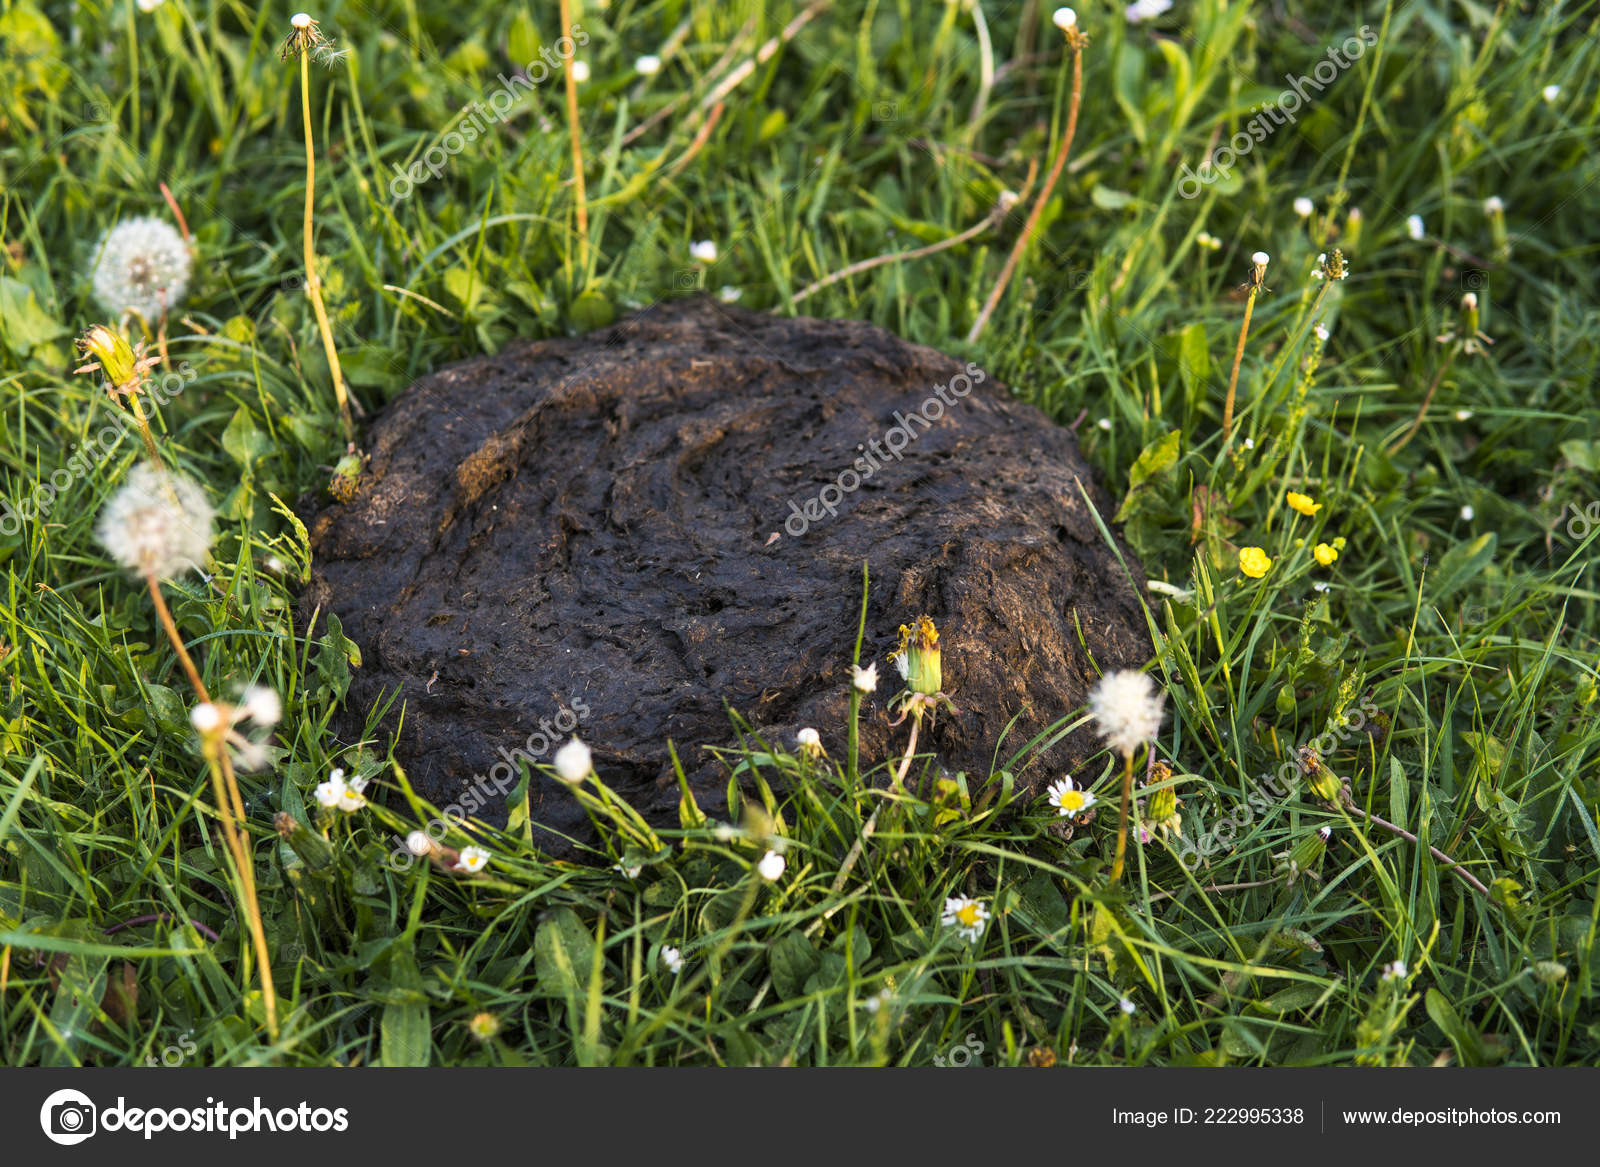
<point>1254,562</point>
<point>1303,503</point>
<point>1325,553</point>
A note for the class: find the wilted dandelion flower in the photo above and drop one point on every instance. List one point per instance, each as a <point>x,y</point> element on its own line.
<point>1068,799</point>
<point>158,525</point>
<point>141,266</point>
<point>965,914</point>
<point>1126,708</point>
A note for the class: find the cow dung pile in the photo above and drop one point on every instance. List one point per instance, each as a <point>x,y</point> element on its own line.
<point>632,532</point>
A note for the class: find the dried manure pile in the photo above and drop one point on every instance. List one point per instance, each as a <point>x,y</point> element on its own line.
<point>580,532</point>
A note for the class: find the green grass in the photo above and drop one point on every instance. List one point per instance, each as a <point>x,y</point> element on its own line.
<point>1476,637</point>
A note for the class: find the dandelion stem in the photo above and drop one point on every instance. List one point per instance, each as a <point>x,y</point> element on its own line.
<point>579,196</point>
<point>313,280</point>
<point>1427,400</point>
<point>864,265</point>
<point>144,427</point>
<point>1122,823</point>
<point>230,809</point>
<point>911,747</point>
<point>1056,167</point>
<point>1238,357</point>
<point>165,615</point>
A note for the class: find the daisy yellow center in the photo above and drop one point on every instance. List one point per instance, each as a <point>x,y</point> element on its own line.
<point>968,914</point>
<point>1072,800</point>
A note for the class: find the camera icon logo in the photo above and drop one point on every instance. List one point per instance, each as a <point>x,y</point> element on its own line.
<point>68,1117</point>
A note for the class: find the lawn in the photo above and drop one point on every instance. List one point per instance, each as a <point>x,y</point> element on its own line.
<point>1366,830</point>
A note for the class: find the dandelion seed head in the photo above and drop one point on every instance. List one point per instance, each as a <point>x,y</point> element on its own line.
<point>574,762</point>
<point>140,266</point>
<point>158,524</point>
<point>1414,226</point>
<point>1303,207</point>
<point>580,71</point>
<point>1126,707</point>
<point>1064,18</point>
<point>648,65</point>
<point>771,866</point>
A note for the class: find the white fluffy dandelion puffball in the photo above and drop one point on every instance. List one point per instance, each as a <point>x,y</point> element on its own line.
<point>574,762</point>
<point>1064,18</point>
<point>648,65</point>
<point>1127,709</point>
<point>143,266</point>
<point>158,524</point>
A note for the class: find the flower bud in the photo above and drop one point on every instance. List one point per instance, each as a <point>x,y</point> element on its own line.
<point>116,356</point>
<point>313,849</point>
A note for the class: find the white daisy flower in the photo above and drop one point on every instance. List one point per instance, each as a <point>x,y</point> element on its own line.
<point>1126,1006</point>
<point>703,251</point>
<point>1463,415</point>
<point>1395,971</point>
<point>1494,205</point>
<point>771,866</point>
<point>729,294</point>
<point>580,71</point>
<point>141,266</point>
<point>1068,799</point>
<point>1414,227</point>
<point>1468,514</point>
<point>158,524</point>
<point>1322,332</point>
<point>344,795</point>
<point>1551,92</point>
<point>1105,424</point>
<point>1126,708</point>
<point>1303,207</point>
<point>472,860</point>
<point>965,914</point>
<point>574,762</point>
<point>648,65</point>
<point>672,958</point>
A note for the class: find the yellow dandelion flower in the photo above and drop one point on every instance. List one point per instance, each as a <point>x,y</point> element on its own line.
<point>1254,562</point>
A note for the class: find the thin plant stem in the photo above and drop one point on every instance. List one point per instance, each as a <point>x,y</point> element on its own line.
<point>144,427</point>
<point>911,748</point>
<point>864,265</point>
<point>1445,860</point>
<point>1238,357</point>
<point>164,614</point>
<point>579,195</point>
<point>1122,823</point>
<point>313,280</point>
<point>1427,400</point>
<point>1056,167</point>
<point>230,809</point>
